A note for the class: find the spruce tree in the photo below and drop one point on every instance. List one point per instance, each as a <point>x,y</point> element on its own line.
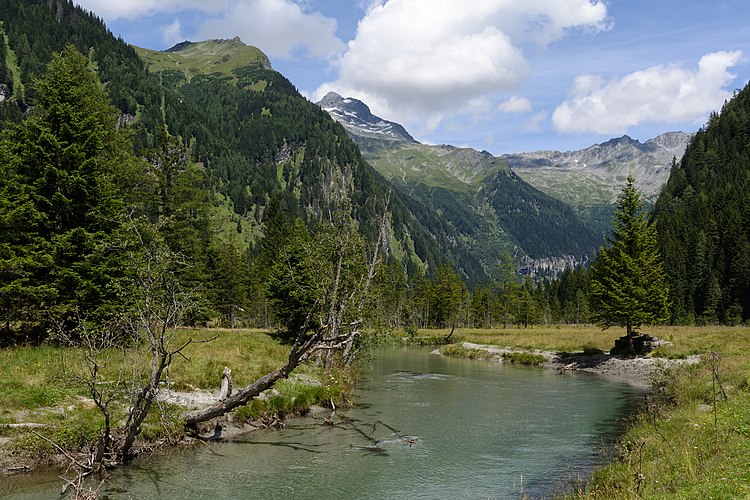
<point>628,284</point>
<point>60,200</point>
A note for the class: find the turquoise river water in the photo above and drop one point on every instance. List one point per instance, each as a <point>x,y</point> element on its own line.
<point>422,427</point>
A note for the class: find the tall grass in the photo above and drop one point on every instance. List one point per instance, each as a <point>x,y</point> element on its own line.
<point>47,385</point>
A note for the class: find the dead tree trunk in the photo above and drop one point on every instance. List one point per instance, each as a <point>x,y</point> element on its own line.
<point>226,384</point>
<point>349,350</point>
<point>299,353</point>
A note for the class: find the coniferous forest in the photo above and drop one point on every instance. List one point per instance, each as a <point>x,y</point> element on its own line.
<point>222,173</point>
<point>703,219</point>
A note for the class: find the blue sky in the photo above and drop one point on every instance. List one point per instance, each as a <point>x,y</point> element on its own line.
<point>499,75</point>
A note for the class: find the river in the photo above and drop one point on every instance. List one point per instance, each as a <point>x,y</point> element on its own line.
<point>422,426</point>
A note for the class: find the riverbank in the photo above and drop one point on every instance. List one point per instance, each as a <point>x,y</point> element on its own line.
<point>692,439</point>
<point>638,371</point>
<point>48,416</point>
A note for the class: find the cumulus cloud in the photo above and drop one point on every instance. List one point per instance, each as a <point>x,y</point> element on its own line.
<point>430,58</point>
<point>278,27</point>
<point>660,94</point>
<point>172,33</point>
<point>515,105</point>
<point>132,9</point>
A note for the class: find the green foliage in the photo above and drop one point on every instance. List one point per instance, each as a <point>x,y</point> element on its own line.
<point>691,442</point>
<point>59,204</point>
<point>317,282</point>
<point>628,285</point>
<point>703,214</point>
<point>460,351</point>
<point>590,349</point>
<point>523,358</point>
<point>289,398</point>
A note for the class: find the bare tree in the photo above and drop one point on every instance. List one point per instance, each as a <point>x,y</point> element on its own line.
<point>159,308</point>
<point>332,321</point>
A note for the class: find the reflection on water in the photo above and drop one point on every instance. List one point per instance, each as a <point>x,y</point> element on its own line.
<point>423,426</point>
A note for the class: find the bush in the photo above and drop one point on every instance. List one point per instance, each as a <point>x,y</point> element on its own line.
<point>590,349</point>
<point>459,351</point>
<point>523,358</point>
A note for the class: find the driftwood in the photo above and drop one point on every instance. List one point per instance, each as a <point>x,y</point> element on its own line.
<point>226,384</point>
<point>300,352</point>
<point>27,425</point>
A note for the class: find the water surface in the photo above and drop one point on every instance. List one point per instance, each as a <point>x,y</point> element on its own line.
<point>423,426</point>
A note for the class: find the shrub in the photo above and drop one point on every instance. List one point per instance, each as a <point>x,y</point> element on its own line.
<point>523,358</point>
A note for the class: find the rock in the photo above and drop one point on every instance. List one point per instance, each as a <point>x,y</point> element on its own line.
<point>643,344</point>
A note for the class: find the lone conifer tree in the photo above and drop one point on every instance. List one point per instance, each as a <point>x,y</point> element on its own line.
<point>628,284</point>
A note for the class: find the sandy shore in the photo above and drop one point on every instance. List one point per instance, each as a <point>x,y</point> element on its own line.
<point>636,371</point>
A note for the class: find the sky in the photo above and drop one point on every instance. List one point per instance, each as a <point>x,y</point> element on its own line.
<point>497,75</point>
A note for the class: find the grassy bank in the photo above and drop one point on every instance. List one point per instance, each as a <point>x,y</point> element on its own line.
<point>693,438</point>
<point>43,390</point>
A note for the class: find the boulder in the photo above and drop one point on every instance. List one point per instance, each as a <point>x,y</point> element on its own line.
<point>643,344</point>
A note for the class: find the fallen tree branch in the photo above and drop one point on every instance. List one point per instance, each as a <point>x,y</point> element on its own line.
<point>61,450</point>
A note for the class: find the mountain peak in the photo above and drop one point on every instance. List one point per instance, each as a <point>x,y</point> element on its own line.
<point>358,120</point>
<point>207,57</point>
<point>330,99</point>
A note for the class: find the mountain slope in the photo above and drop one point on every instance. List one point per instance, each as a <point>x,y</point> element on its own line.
<point>476,193</point>
<point>282,146</point>
<point>256,140</point>
<point>356,117</point>
<point>589,180</point>
<point>703,216</point>
<point>212,57</point>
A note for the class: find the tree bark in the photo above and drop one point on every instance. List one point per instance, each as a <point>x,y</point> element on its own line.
<point>631,345</point>
<point>300,352</point>
<point>226,384</point>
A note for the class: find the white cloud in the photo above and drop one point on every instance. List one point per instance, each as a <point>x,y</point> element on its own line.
<point>132,9</point>
<point>536,122</point>
<point>660,94</point>
<point>277,27</point>
<point>429,58</point>
<point>172,33</point>
<point>515,105</point>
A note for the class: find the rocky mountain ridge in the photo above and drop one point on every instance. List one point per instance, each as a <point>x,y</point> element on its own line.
<point>588,177</point>
<point>474,192</point>
<point>596,174</point>
<point>357,118</point>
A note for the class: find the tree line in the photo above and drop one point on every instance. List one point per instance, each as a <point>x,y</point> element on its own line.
<point>703,216</point>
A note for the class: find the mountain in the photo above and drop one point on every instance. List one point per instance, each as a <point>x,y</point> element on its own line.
<point>210,57</point>
<point>604,165</point>
<point>475,192</point>
<point>589,180</point>
<point>356,118</point>
<point>279,145</point>
<point>217,124</point>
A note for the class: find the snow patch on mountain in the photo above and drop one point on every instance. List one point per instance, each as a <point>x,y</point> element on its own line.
<point>357,118</point>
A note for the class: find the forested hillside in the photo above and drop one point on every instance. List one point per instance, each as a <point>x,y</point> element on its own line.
<point>218,165</point>
<point>268,142</point>
<point>703,216</point>
<point>477,193</point>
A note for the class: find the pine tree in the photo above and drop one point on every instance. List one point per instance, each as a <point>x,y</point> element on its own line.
<point>60,204</point>
<point>628,283</point>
